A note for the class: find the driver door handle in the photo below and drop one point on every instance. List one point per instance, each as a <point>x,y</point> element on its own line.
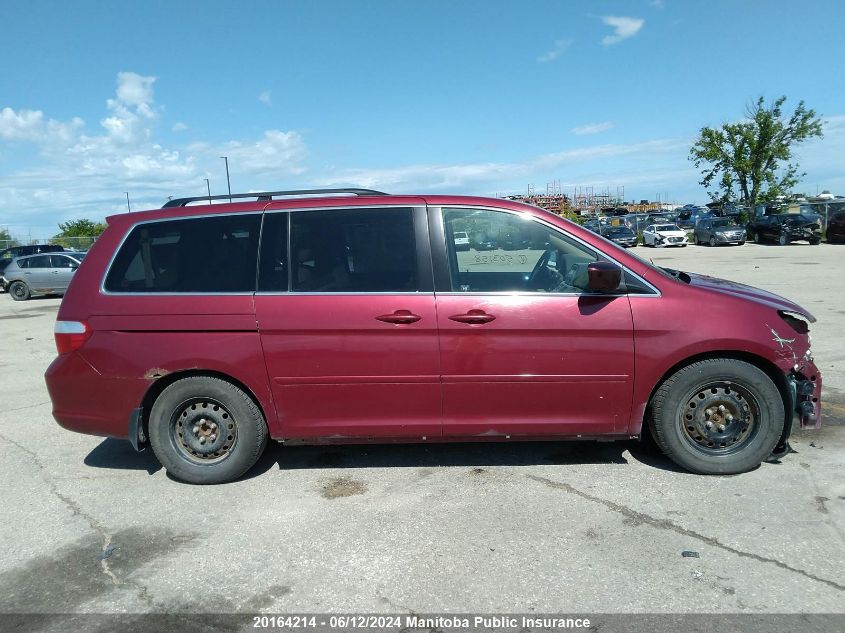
<point>473,317</point>
<point>400,317</point>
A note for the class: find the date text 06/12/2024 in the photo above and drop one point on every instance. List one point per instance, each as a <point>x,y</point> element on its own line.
<point>381,622</point>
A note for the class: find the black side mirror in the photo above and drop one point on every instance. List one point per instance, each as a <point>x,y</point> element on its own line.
<point>603,277</point>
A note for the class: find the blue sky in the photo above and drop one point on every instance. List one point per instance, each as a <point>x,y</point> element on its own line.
<point>98,98</point>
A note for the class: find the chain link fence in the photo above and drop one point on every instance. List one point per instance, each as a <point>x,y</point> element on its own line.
<point>69,243</point>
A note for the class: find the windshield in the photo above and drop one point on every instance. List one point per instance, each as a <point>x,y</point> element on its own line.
<point>619,230</point>
<point>666,227</point>
<point>717,224</point>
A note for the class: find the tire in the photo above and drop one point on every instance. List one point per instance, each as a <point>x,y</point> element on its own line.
<point>712,241</point>
<point>184,426</point>
<point>783,240</point>
<point>742,389</point>
<point>741,243</point>
<point>19,291</point>
<point>756,237</point>
<point>815,242</point>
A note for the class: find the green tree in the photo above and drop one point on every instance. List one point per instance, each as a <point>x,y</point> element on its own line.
<point>79,233</point>
<point>752,157</point>
<point>6,239</point>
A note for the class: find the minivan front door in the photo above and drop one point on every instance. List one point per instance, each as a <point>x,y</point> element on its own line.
<point>351,347</point>
<point>526,348</point>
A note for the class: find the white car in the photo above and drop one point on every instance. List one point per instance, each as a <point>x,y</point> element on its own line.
<point>664,235</point>
<point>461,241</point>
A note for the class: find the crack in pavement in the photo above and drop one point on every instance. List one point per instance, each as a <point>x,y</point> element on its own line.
<point>29,406</point>
<point>666,524</point>
<point>77,511</point>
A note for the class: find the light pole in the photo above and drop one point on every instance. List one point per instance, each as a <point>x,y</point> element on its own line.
<point>208,186</point>
<point>228,183</point>
<point>127,202</point>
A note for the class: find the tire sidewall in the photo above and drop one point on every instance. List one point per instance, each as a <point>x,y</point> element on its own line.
<point>252,433</point>
<point>668,402</point>
<point>19,284</point>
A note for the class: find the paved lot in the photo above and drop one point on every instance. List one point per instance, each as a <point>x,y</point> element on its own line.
<point>545,527</point>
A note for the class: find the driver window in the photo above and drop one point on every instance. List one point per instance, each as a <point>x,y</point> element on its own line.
<point>495,251</point>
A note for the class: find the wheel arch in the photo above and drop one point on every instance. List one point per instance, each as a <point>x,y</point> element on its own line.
<point>159,385</point>
<point>766,366</point>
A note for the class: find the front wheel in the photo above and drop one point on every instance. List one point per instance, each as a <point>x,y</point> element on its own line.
<point>717,416</point>
<point>756,237</point>
<point>205,430</point>
<point>783,240</point>
<point>815,242</point>
<point>712,241</point>
<point>19,291</point>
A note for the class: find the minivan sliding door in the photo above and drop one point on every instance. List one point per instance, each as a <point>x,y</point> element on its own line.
<point>345,311</point>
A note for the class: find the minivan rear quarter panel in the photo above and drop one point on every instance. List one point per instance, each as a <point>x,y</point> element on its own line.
<point>139,339</point>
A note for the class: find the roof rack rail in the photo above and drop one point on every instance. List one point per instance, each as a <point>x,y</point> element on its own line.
<point>267,196</point>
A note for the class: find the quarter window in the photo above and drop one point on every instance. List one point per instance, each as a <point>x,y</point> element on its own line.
<point>207,255</point>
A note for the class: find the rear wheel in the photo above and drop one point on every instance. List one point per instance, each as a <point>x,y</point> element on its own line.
<point>783,240</point>
<point>814,242</point>
<point>756,237</point>
<point>205,430</point>
<point>19,291</point>
<point>717,416</point>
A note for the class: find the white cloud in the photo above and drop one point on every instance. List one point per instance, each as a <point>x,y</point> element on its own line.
<point>558,49</point>
<point>179,127</point>
<point>657,4</point>
<point>30,125</point>
<point>132,109</point>
<point>452,177</point>
<point>592,128</point>
<point>83,173</point>
<point>265,97</point>
<point>623,28</point>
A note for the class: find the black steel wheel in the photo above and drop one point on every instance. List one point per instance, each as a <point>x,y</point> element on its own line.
<point>19,291</point>
<point>717,416</point>
<point>205,430</point>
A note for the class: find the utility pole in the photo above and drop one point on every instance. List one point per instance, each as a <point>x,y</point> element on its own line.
<point>208,186</point>
<point>127,202</point>
<point>228,182</point>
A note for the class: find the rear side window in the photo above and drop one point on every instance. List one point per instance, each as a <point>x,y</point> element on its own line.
<point>211,254</point>
<point>353,250</point>
<point>42,261</point>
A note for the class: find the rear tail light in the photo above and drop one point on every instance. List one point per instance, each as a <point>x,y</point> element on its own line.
<point>70,335</point>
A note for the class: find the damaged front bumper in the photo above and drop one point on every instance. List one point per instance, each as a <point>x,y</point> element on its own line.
<point>805,390</point>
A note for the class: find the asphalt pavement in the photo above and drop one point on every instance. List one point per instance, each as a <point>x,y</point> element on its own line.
<point>90,526</point>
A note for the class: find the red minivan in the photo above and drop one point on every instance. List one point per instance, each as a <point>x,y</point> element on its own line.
<point>356,316</point>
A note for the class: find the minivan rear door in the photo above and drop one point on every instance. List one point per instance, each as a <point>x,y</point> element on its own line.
<point>346,315</point>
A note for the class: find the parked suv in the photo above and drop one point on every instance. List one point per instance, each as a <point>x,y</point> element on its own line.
<point>836,227</point>
<point>40,274</point>
<point>202,331</point>
<point>784,228</point>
